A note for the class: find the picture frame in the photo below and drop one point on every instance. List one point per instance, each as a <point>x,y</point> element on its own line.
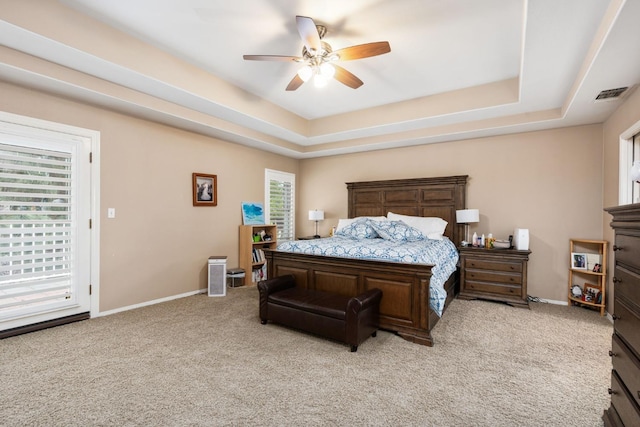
<point>204,189</point>
<point>597,268</point>
<point>592,293</point>
<point>591,290</point>
<point>578,261</point>
<point>252,213</point>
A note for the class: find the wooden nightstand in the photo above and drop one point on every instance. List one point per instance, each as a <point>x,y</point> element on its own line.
<point>494,274</point>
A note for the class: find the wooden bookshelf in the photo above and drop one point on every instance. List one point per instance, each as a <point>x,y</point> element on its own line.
<point>250,250</point>
<point>587,276</point>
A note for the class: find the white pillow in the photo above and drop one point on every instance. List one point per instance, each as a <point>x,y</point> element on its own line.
<point>432,227</point>
<point>342,223</point>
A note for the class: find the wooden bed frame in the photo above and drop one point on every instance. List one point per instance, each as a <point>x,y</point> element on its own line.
<point>404,308</point>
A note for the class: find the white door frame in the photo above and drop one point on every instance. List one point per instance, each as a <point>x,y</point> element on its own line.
<point>9,119</point>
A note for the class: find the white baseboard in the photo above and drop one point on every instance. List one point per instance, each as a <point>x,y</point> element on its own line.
<point>550,301</point>
<point>144,304</point>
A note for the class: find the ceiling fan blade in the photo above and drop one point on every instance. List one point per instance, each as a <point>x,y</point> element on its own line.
<point>295,83</point>
<point>363,51</point>
<point>346,78</point>
<point>308,32</point>
<point>272,58</point>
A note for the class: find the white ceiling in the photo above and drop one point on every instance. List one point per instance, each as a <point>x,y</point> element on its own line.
<point>457,68</point>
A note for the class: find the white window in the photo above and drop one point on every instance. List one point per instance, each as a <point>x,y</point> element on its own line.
<point>629,152</point>
<point>280,190</point>
<point>635,186</point>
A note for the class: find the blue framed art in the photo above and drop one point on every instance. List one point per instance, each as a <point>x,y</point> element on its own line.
<point>252,213</point>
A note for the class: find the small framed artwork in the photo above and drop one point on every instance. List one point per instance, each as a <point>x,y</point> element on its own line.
<point>205,189</point>
<point>252,213</point>
<point>597,268</point>
<point>592,294</point>
<point>578,261</point>
<point>591,290</point>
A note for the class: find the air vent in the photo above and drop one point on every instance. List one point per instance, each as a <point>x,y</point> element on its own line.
<point>611,94</point>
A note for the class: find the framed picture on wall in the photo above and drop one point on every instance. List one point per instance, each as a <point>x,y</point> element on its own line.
<point>578,261</point>
<point>204,189</point>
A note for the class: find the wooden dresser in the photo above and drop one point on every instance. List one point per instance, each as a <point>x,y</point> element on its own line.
<point>494,274</point>
<point>625,348</point>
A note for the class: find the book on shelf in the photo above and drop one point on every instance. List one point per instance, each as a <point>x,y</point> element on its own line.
<point>257,255</point>
<point>259,274</point>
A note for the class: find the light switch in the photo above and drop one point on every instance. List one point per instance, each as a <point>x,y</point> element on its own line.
<point>111,213</point>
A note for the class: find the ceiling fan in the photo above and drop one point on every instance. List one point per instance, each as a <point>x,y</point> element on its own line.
<point>318,58</point>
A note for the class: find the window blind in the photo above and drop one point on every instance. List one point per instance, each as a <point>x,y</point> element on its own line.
<point>280,196</point>
<point>35,228</point>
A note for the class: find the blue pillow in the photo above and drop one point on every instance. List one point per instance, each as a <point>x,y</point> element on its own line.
<point>398,231</point>
<point>360,229</point>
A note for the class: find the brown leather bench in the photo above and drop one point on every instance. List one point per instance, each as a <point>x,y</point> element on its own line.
<point>346,319</point>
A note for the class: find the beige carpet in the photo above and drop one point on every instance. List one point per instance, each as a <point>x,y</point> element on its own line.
<point>202,361</point>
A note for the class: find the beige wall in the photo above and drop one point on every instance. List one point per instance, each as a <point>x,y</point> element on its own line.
<point>626,116</point>
<point>158,244</point>
<point>549,182</point>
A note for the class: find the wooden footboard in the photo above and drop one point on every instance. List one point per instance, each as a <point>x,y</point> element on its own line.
<point>404,308</point>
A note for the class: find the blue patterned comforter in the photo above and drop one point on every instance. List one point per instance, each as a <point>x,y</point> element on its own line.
<point>441,253</point>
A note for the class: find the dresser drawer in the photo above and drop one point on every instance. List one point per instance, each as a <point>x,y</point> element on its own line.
<point>626,323</point>
<point>611,418</point>
<point>493,288</point>
<point>627,366</point>
<point>627,284</point>
<point>629,250</point>
<point>493,276</point>
<point>483,264</point>
<point>625,405</point>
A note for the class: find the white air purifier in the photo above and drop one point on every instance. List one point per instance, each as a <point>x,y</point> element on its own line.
<point>217,276</point>
<point>521,239</point>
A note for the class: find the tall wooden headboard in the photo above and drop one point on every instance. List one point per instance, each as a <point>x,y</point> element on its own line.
<point>426,197</point>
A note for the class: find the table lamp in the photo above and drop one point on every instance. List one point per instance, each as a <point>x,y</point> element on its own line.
<point>316,215</point>
<point>466,217</point>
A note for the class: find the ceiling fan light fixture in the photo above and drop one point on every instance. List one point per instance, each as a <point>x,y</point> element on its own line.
<point>320,80</point>
<point>317,56</point>
<point>305,73</point>
<point>327,70</point>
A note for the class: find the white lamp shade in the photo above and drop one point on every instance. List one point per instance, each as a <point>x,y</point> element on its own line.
<point>320,80</point>
<point>327,70</point>
<point>467,216</point>
<point>634,172</point>
<point>305,73</point>
<point>316,215</point>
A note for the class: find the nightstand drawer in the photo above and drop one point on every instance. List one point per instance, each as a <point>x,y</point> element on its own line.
<point>493,276</point>
<point>493,288</point>
<point>482,264</point>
